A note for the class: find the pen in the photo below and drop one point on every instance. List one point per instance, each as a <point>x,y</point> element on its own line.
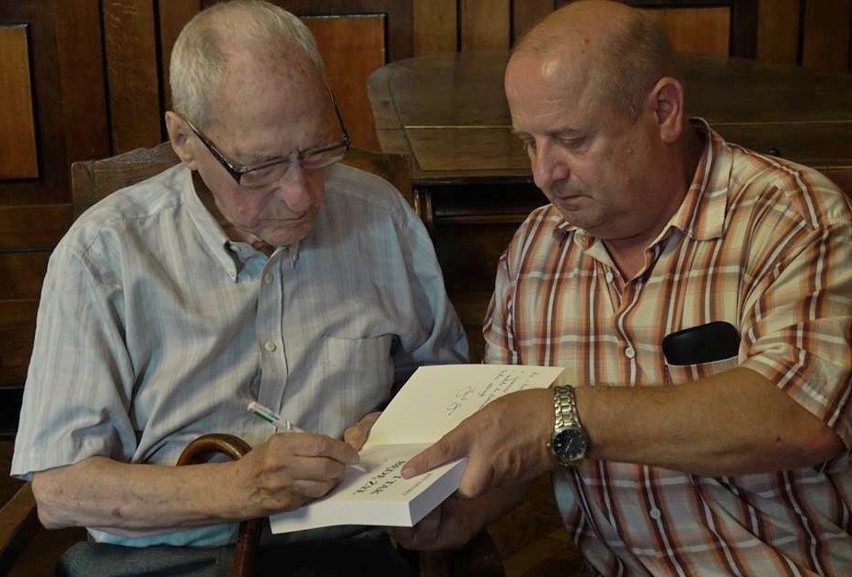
<point>269,416</point>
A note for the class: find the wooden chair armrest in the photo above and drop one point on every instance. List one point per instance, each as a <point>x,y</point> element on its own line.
<point>18,522</point>
<point>19,517</point>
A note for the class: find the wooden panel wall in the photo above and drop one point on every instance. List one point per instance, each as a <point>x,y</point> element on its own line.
<point>451,25</point>
<point>51,54</point>
<point>813,33</point>
<point>825,35</point>
<point>702,30</point>
<point>17,123</point>
<point>132,73</point>
<point>352,48</point>
<point>355,38</point>
<point>778,33</point>
<point>27,235</point>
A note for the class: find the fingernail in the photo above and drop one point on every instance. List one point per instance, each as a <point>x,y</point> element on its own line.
<point>355,463</point>
<point>407,472</point>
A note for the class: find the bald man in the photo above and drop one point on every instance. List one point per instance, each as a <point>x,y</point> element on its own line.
<point>727,454</point>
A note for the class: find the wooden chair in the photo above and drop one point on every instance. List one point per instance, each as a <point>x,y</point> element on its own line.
<point>90,182</point>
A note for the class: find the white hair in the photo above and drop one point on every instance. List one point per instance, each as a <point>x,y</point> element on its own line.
<point>199,55</point>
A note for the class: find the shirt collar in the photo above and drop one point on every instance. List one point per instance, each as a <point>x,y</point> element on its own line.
<point>220,247</point>
<point>701,215</point>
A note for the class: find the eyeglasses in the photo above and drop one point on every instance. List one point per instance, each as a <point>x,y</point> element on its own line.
<point>270,171</point>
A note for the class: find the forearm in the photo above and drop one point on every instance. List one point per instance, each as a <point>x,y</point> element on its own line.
<point>732,423</point>
<point>281,474</point>
<point>134,499</point>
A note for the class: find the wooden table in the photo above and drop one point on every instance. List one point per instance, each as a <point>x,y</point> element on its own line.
<point>472,179</point>
<point>449,113</point>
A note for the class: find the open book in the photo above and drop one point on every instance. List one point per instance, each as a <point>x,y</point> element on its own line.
<point>433,401</point>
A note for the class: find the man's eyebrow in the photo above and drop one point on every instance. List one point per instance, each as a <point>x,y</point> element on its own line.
<point>251,159</point>
<point>560,133</point>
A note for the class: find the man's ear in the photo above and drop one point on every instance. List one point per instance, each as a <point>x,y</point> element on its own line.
<point>667,101</point>
<point>180,137</point>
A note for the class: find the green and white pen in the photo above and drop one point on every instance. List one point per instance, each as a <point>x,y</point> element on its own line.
<point>270,416</point>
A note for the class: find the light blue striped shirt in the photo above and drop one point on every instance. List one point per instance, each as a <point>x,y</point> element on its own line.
<point>154,328</point>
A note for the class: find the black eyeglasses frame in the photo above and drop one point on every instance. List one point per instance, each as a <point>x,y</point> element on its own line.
<point>237,170</point>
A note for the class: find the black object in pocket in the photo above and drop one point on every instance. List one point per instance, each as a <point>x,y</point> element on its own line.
<point>702,344</point>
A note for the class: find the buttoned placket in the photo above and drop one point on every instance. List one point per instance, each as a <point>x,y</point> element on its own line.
<point>622,300</point>
<point>269,337</point>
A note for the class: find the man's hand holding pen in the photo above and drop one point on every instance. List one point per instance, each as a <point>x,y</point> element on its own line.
<point>360,431</point>
<point>287,471</point>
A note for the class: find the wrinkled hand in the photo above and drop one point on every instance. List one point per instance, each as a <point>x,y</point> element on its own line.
<point>357,434</point>
<point>505,443</point>
<point>288,470</point>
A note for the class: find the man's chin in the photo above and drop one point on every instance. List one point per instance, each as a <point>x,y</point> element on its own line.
<point>572,211</point>
<point>572,203</point>
<point>289,236</point>
<point>581,218</point>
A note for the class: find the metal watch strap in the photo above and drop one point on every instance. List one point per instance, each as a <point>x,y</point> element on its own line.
<point>570,441</point>
<point>565,409</point>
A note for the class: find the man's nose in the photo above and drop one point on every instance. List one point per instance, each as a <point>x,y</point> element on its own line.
<point>296,189</point>
<point>548,164</point>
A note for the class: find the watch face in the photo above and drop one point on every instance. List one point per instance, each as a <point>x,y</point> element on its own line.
<point>570,444</point>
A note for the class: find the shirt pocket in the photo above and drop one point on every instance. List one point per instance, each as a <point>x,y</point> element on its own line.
<point>357,376</point>
<point>365,362</point>
<point>364,353</point>
<point>677,374</point>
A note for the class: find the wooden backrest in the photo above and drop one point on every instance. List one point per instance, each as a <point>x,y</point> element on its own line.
<point>92,180</point>
<point>842,177</point>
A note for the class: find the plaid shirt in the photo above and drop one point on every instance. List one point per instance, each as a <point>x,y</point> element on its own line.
<point>759,242</point>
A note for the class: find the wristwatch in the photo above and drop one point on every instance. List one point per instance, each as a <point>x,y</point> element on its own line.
<point>570,441</point>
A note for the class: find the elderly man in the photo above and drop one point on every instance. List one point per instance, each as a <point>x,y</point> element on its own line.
<point>258,269</point>
<point>699,296</point>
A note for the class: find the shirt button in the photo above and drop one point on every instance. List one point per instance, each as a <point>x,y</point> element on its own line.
<point>270,346</point>
<point>655,513</point>
<point>609,276</point>
<point>267,278</point>
<point>629,352</point>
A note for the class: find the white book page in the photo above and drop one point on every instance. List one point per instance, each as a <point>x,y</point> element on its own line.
<point>437,398</point>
